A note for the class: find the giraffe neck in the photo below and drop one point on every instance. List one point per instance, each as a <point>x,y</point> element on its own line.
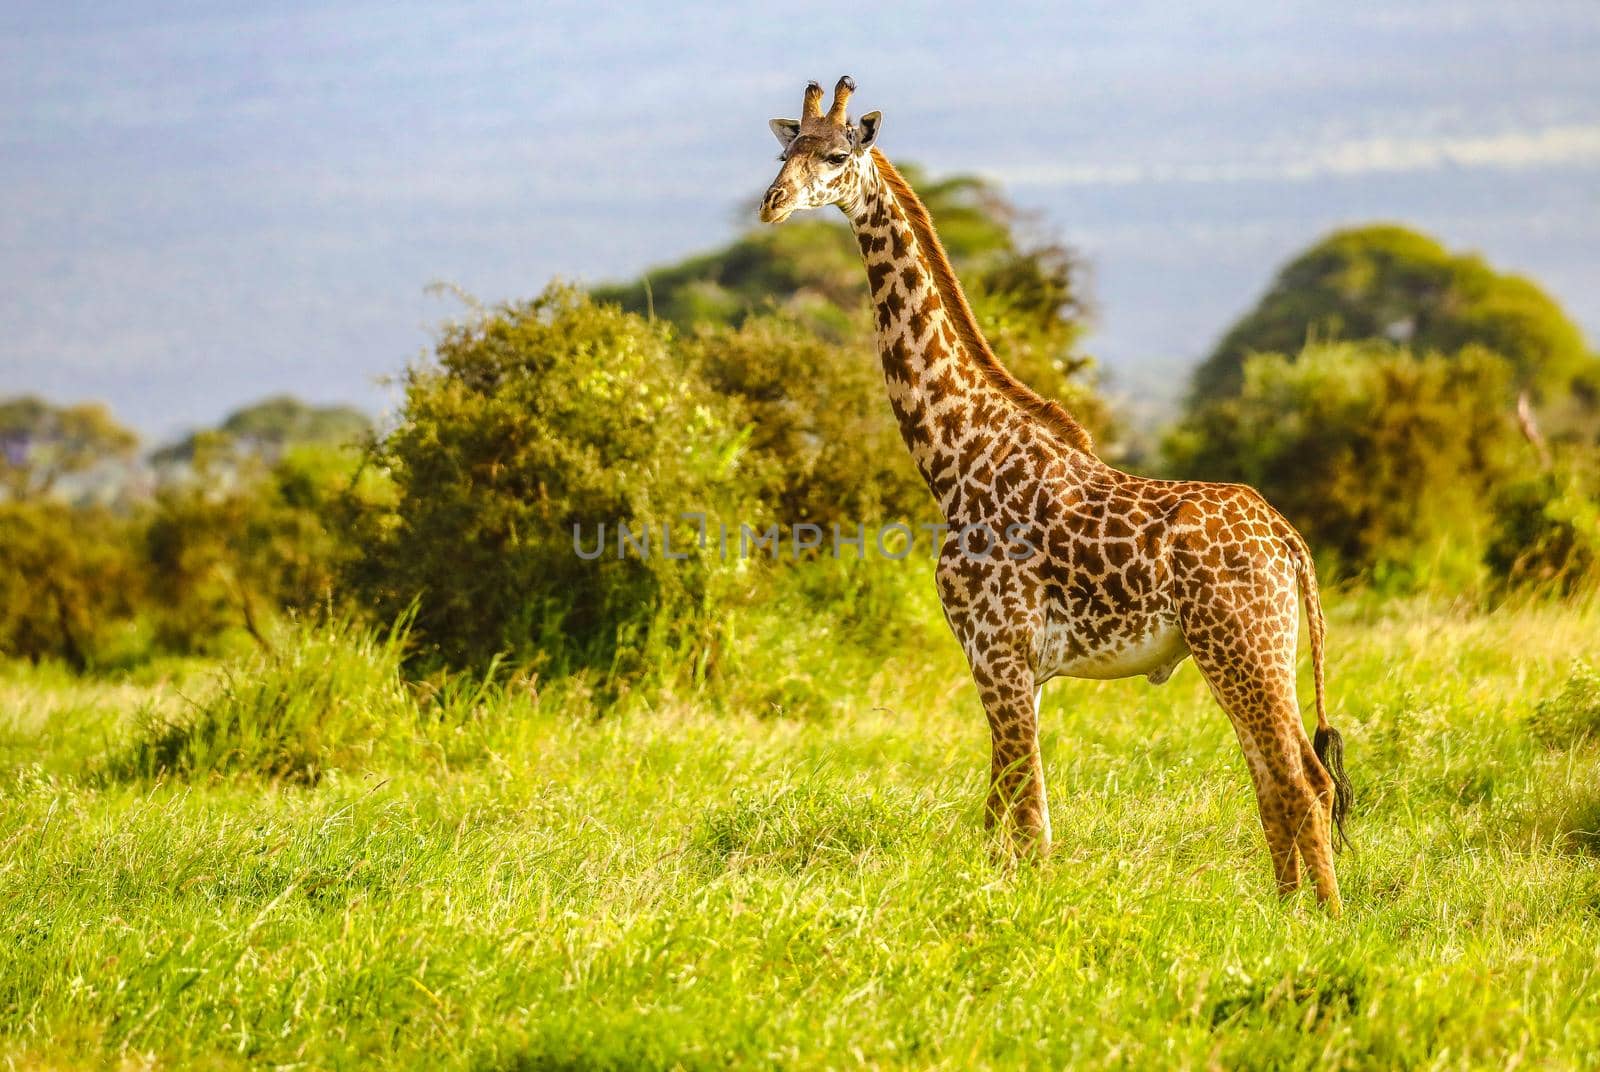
<point>953,400</point>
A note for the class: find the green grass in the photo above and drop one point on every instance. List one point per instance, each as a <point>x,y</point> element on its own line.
<point>304,863</point>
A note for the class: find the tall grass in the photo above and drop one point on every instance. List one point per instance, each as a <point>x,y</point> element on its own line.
<point>316,864</point>
<point>321,702</point>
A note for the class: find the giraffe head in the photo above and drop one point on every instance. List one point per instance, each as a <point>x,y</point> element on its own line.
<point>823,155</point>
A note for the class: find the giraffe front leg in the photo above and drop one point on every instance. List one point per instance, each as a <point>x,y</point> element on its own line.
<point>1017,799</point>
<point>1003,671</point>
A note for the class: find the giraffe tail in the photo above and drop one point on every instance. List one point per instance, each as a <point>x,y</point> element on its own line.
<point>1327,742</point>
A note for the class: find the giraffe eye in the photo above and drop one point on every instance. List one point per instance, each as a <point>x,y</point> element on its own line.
<point>837,159</point>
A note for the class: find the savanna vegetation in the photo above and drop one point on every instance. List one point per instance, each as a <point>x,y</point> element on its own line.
<point>325,745</point>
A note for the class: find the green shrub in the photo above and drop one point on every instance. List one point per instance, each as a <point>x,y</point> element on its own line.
<point>271,427</point>
<point>43,447</point>
<point>1546,532</point>
<point>823,446</point>
<point>237,532</point>
<point>537,420</point>
<point>794,635</point>
<point>240,542</point>
<point>68,578</point>
<point>1375,454</point>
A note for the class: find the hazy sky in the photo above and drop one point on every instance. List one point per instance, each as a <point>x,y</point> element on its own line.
<point>208,202</point>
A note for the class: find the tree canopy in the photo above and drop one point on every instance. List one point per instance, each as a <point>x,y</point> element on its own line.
<point>41,443</point>
<point>272,425</point>
<point>1392,284</point>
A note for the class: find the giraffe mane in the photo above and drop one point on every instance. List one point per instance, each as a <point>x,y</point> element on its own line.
<point>1048,412</point>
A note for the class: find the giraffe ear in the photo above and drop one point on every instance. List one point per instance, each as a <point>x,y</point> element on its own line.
<point>785,130</point>
<point>867,128</point>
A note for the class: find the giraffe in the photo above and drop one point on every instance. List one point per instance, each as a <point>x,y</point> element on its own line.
<point>1055,564</point>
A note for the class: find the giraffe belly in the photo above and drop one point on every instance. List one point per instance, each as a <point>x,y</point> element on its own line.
<point>1155,649</point>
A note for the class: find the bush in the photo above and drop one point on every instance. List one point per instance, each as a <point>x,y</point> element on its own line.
<point>68,577</point>
<point>794,635</point>
<point>1546,532</point>
<point>1373,453</point>
<point>538,419</point>
<point>239,543</point>
<point>43,447</point>
<point>823,444</point>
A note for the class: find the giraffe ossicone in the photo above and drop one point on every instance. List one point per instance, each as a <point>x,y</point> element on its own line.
<point>1128,576</point>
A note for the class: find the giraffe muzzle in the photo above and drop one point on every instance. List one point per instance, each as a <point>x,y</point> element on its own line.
<point>776,206</point>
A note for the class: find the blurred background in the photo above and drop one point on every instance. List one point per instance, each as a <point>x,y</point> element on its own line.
<point>262,268</point>
<point>212,202</point>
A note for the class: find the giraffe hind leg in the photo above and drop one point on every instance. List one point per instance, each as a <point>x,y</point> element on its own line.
<point>1293,795</point>
<point>1254,684</point>
<point>1314,836</point>
<point>1280,835</point>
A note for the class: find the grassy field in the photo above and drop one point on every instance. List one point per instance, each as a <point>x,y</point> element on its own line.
<point>306,863</point>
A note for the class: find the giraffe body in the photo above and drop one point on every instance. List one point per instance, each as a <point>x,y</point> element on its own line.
<point>1056,564</point>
